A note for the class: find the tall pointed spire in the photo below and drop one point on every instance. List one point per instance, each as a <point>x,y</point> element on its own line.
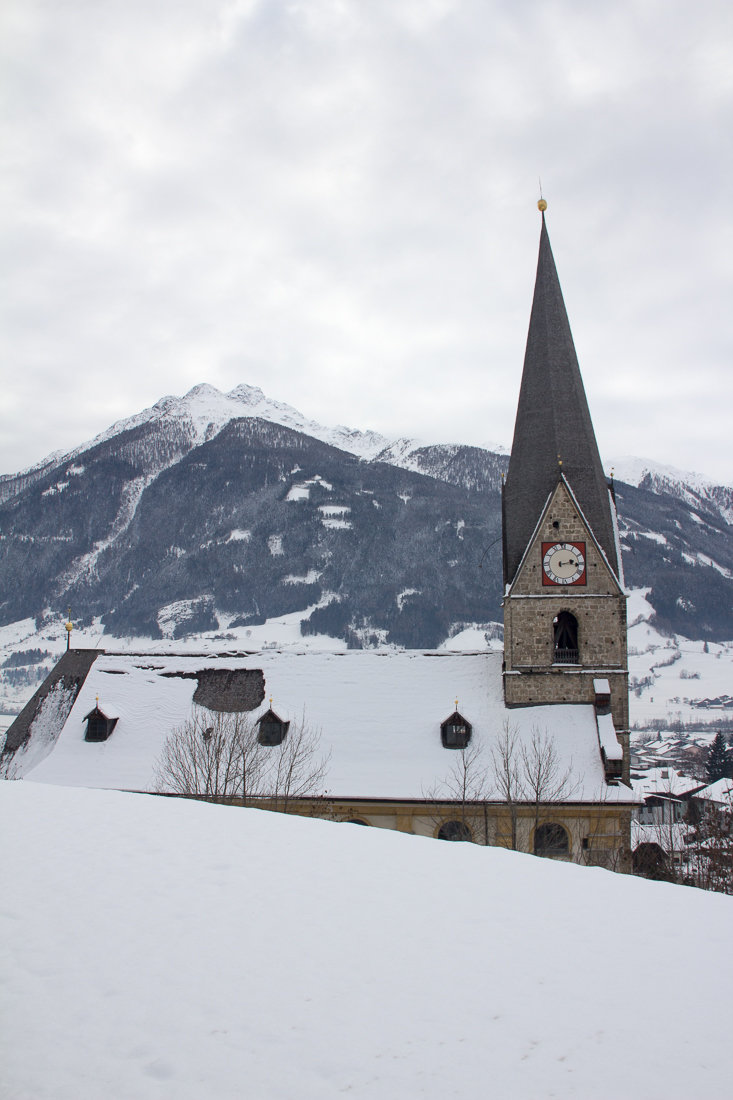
<point>553,433</point>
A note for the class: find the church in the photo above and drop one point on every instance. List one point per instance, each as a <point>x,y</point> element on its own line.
<point>527,749</point>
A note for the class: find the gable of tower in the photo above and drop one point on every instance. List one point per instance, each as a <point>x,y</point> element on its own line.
<point>562,521</point>
<point>559,637</point>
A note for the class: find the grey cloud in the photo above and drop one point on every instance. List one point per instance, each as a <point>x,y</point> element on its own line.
<point>339,200</point>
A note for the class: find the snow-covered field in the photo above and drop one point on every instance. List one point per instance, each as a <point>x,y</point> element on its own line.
<point>675,679</point>
<point>155,948</point>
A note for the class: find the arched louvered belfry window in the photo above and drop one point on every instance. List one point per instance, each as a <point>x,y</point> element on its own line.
<point>565,637</point>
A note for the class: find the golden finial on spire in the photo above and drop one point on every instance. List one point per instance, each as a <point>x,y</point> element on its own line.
<point>559,461</point>
<point>68,626</point>
<point>542,206</point>
<point>456,704</point>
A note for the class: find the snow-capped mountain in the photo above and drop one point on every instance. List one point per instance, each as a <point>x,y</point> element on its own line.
<point>197,416</point>
<point>216,511</point>
<point>687,485</point>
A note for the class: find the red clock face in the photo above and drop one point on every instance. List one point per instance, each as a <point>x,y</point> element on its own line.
<point>563,563</point>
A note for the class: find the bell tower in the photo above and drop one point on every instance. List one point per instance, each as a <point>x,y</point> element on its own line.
<point>564,599</point>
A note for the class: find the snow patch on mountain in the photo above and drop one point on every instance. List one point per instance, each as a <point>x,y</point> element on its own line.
<point>302,490</point>
<point>84,566</point>
<point>239,535</point>
<point>310,578</point>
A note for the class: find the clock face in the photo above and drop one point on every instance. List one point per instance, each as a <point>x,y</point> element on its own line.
<point>563,563</point>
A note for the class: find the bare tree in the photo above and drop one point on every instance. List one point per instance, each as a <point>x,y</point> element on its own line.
<point>506,773</point>
<point>710,861</point>
<point>210,754</point>
<point>466,788</point>
<point>526,777</point>
<point>297,769</point>
<point>543,779</point>
<point>218,756</point>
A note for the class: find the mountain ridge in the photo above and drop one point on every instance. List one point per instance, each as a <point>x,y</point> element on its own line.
<point>237,505</point>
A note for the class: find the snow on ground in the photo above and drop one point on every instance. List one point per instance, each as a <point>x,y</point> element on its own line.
<point>309,578</point>
<point>301,491</point>
<point>675,678</point>
<point>155,948</point>
<point>336,524</point>
<point>335,516</point>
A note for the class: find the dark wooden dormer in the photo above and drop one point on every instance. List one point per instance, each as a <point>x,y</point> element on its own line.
<point>272,729</point>
<point>455,732</point>
<point>99,724</point>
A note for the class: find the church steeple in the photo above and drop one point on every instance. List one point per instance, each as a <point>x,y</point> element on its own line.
<point>553,432</point>
<point>564,602</point>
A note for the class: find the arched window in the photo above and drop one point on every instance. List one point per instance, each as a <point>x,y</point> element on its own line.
<point>454,830</point>
<point>565,630</point>
<point>551,840</point>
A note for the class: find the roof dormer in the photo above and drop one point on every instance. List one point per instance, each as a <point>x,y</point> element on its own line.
<point>455,732</point>
<point>272,730</point>
<point>100,723</point>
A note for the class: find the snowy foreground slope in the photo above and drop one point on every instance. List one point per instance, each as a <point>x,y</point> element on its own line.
<point>155,948</point>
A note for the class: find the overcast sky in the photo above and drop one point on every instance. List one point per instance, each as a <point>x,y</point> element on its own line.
<point>335,200</point>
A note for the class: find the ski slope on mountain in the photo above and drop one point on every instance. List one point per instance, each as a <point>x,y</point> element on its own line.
<point>156,948</point>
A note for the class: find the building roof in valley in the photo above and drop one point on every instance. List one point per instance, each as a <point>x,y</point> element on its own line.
<point>553,423</point>
<point>379,714</point>
<point>720,791</point>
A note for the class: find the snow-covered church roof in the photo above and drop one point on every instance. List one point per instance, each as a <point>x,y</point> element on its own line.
<point>379,715</point>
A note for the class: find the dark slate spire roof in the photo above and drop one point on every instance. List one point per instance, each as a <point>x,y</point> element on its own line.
<point>552,419</point>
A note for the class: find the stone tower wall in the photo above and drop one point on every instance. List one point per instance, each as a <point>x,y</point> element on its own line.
<point>599,606</point>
